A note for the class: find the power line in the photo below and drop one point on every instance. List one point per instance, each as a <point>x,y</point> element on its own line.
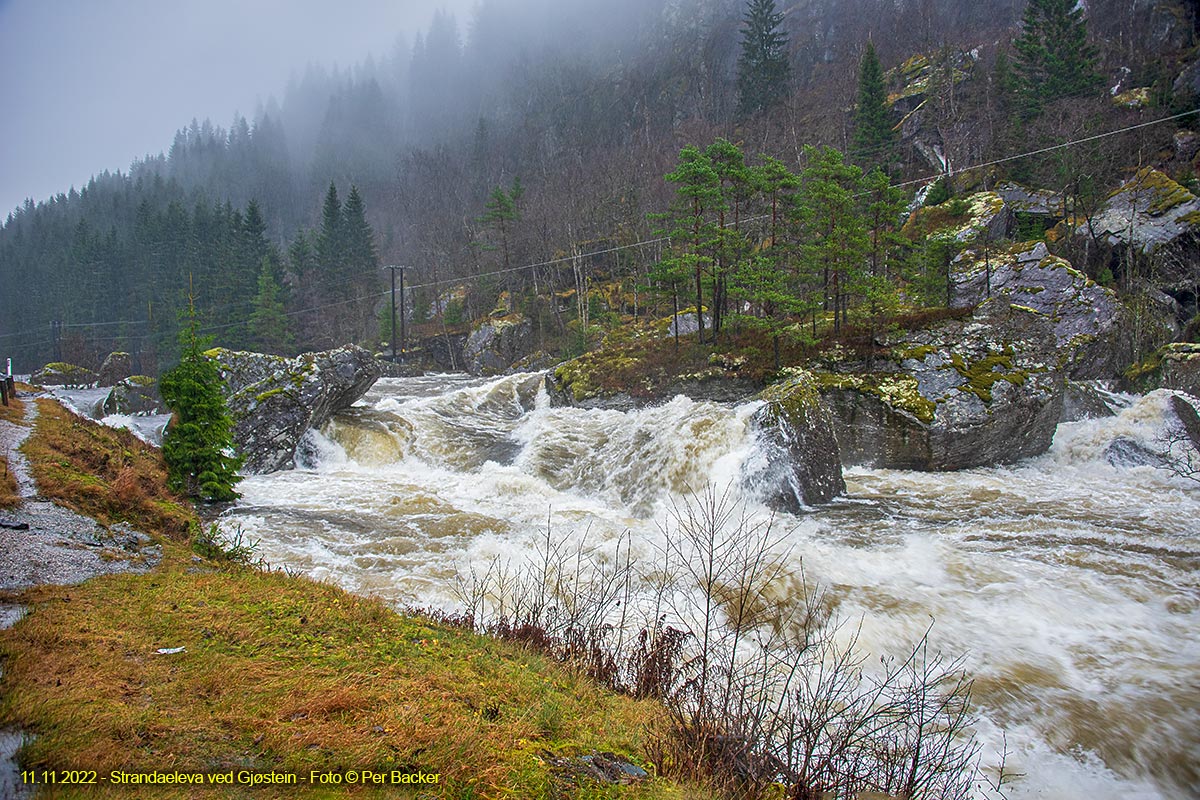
<point>661,239</point>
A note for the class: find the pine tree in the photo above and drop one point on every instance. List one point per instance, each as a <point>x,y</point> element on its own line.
<point>873,134</point>
<point>501,215</point>
<point>197,446</point>
<point>835,243</point>
<point>763,69</point>
<point>694,231</point>
<point>1053,56</point>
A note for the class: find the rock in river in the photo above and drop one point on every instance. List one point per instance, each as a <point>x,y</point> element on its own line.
<point>803,465</point>
<point>137,394</point>
<point>274,400</point>
<point>987,389</point>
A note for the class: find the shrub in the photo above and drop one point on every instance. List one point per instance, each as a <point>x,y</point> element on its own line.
<point>761,693</point>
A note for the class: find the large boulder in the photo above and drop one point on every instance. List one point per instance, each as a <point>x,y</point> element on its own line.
<point>134,396</point>
<point>1085,317</point>
<point>274,400</point>
<point>116,368</point>
<point>58,373</point>
<point>970,392</point>
<point>803,466</point>
<point>497,343</point>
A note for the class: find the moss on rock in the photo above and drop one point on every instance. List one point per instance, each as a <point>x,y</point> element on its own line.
<point>901,392</point>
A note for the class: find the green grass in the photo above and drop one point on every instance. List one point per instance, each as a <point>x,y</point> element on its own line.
<point>293,676</point>
<point>102,472</point>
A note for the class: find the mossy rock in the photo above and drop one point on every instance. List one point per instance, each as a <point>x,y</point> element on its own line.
<point>60,373</point>
<point>804,461</point>
<point>898,391</point>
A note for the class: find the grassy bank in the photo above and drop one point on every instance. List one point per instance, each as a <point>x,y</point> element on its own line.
<point>277,673</point>
<point>102,472</point>
<point>14,412</point>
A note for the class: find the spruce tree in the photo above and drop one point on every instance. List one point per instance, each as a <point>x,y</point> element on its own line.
<point>1053,56</point>
<point>269,328</point>
<point>873,134</point>
<point>361,255</point>
<point>331,240</point>
<point>198,445</point>
<point>763,68</point>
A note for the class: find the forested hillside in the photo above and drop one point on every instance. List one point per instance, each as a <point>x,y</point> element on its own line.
<point>533,133</point>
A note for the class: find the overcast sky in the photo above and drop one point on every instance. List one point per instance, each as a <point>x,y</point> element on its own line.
<point>90,85</point>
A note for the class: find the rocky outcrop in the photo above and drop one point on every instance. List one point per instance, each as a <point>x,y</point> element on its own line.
<point>135,395</point>
<point>1037,202</point>
<point>581,382</point>
<point>116,368</point>
<point>1189,420</point>
<point>497,343</point>
<point>1173,366</point>
<point>983,390</point>
<point>1149,211</point>
<point>274,400</point>
<point>58,373</point>
<point>803,466</point>
<point>1085,317</point>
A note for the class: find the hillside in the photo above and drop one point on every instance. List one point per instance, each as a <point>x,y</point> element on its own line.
<point>588,115</point>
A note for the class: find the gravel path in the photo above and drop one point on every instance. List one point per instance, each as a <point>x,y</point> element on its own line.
<point>12,436</point>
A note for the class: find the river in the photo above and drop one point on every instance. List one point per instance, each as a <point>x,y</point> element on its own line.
<point>1070,586</point>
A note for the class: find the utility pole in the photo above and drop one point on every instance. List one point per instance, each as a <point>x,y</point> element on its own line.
<point>403,343</point>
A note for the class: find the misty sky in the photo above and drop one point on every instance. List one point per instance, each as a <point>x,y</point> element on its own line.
<point>89,85</point>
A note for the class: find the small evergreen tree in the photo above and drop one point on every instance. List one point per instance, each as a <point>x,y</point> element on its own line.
<point>873,134</point>
<point>500,215</point>
<point>268,322</point>
<point>1053,56</point>
<point>763,68</point>
<point>198,445</point>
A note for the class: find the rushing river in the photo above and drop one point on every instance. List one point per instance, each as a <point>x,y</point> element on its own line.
<point>1070,586</point>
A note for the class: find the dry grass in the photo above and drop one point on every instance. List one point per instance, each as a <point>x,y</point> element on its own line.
<point>9,491</point>
<point>288,675</point>
<point>102,472</point>
<point>14,412</point>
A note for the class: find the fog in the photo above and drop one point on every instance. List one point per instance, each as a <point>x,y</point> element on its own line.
<point>90,86</point>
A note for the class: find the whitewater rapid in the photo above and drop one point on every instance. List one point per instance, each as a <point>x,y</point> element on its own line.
<point>1070,586</point>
